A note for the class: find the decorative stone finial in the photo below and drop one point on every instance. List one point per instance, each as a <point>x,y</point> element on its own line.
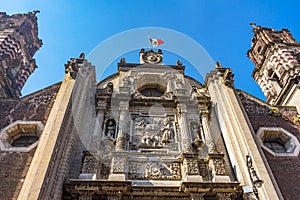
<point>82,55</point>
<point>218,65</point>
<point>179,63</point>
<point>252,24</point>
<point>123,60</point>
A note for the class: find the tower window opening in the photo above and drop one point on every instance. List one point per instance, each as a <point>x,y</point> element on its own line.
<point>274,77</point>
<point>259,49</point>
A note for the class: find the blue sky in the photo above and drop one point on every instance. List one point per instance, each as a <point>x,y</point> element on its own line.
<point>222,28</point>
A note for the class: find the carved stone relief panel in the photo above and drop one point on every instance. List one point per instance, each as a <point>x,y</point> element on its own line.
<point>85,198</point>
<point>155,171</point>
<point>192,167</point>
<point>204,171</point>
<point>219,166</point>
<point>119,164</point>
<point>153,132</point>
<point>104,171</point>
<point>89,164</point>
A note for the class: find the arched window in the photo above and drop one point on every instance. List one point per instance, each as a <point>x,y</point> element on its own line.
<point>151,92</point>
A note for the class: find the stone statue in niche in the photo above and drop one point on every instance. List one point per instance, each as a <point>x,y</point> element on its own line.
<point>196,134</point>
<point>110,128</point>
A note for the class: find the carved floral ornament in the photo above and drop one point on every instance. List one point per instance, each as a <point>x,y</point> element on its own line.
<point>155,171</point>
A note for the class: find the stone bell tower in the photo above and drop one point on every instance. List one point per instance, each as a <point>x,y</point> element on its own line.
<point>276,56</point>
<point>18,43</point>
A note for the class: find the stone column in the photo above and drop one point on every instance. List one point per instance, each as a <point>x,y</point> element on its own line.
<point>97,135</point>
<point>190,159</point>
<point>207,134</point>
<point>186,140</point>
<point>123,126</point>
<point>216,159</point>
<point>119,159</point>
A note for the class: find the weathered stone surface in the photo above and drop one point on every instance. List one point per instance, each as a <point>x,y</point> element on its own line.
<point>283,168</point>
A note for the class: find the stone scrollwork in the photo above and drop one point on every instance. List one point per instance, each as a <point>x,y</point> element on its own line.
<point>89,163</point>
<point>127,80</point>
<point>204,172</point>
<point>219,166</point>
<point>104,171</point>
<point>135,171</point>
<point>85,197</point>
<point>192,166</point>
<point>119,165</point>
<point>226,195</point>
<point>155,171</point>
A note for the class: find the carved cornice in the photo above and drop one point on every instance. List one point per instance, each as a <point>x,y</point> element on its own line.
<point>127,189</point>
<point>103,97</point>
<point>72,67</point>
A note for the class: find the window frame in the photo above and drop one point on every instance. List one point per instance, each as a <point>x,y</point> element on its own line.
<point>16,130</point>
<point>291,143</point>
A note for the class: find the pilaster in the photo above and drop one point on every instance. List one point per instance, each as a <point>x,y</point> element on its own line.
<point>236,132</point>
<point>37,173</point>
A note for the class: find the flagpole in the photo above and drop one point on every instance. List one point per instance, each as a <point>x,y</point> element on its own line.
<point>149,40</point>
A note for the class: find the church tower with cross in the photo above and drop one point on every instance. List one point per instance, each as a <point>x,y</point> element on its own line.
<point>276,56</point>
<point>18,43</point>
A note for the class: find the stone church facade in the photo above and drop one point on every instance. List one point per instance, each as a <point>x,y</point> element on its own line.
<point>149,131</point>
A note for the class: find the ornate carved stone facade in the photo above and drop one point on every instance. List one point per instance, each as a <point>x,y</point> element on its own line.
<point>154,131</point>
<point>151,132</point>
